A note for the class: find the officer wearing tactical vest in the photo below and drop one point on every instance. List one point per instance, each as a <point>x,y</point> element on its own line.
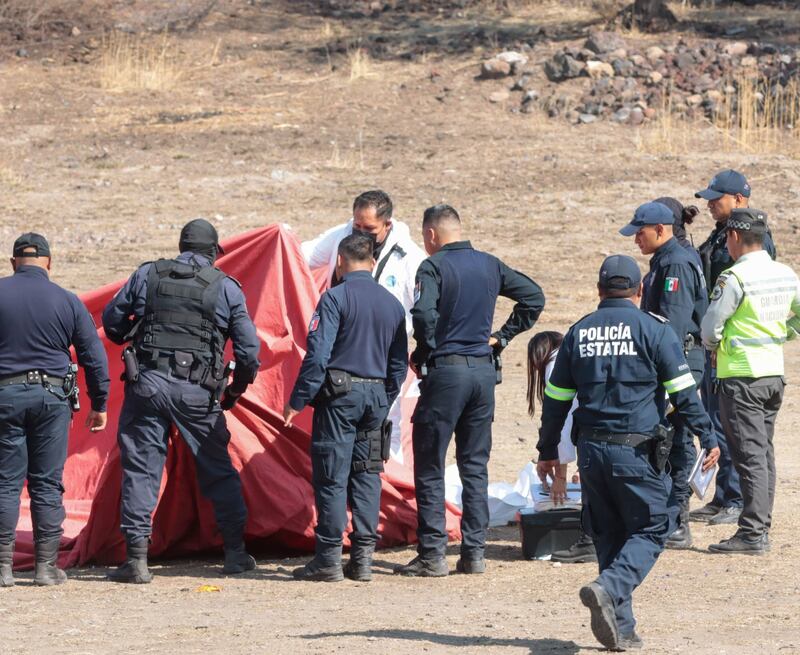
<point>746,326</point>
<point>356,361</point>
<point>727,191</point>
<point>675,289</point>
<point>618,361</point>
<point>39,321</point>
<point>457,288</point>
<point>177,315</point>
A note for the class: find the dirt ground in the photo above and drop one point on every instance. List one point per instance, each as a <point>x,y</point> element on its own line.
<point>265,125</point>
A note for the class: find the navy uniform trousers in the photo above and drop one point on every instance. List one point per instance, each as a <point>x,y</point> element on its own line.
<point>34,427</point>
<point>728,492</point>
<point>337,444</point>
<point>626,511</point>
<point>151,406</point>
<point>454,398</point>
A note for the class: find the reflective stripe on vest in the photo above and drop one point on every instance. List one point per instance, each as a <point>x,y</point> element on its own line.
<point>753,337</point>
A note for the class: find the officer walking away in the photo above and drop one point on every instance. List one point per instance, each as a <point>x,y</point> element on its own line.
<point>355,364</point>
<point>675,289</point>
<point>617,361</point>
<point>457,288</point>
<point>39,321</point>
<point>746,326</point>
<point>396,257</point>
<point>683,216</point>
<point>176,315</point>
<point>728,190</point>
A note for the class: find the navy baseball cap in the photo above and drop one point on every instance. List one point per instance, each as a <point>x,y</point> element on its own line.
<point>31,244</point>
<point>727,182</point>
<point>201,233</point>
<point>620,272</point>
<point>650,213</point>
<point>748,220</point>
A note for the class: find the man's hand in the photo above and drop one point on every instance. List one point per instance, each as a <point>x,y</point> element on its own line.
<point>713,359</point>
<point>96,421</point>
<point>711,458</point>
<point>414,367</point>
<point>229,400</point>
<point>288,415</point>
<point>493,341</point>
<point>545,467</point>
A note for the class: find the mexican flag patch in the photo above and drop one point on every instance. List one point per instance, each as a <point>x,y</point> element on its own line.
<point>671,284</point>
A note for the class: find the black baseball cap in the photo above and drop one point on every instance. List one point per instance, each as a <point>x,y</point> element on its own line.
<point>726,182</point>
<point>28,241</point>
<point>650,213</point>
<point>745,219</point>
<point>620,272</point>
<point>199,232</point>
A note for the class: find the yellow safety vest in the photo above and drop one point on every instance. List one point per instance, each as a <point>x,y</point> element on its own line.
<point>752,339</point>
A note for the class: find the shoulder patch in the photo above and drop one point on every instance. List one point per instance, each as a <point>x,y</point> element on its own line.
<point>671,284</point>
<point>314,324</point>
<point>417,291</point>
<point>658,317</point>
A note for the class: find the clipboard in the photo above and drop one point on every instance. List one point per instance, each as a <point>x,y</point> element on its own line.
<point>700,480</point>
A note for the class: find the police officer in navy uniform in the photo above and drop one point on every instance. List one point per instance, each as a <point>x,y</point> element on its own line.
<point>727,190</point>
<point>675,289</point>
<point>457,288</point>
<point>356,361</point>
<point>39,321</point>
<point>177,315</point>
<point>617,361</point>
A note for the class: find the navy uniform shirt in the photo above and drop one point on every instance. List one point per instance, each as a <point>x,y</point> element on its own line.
<point>616,361</point>
<point>358,327</point>
<point>715,255</point>
<point>457,289</point>
<point>127,307</point>
<point>675,289</point>
<point>39,321</point>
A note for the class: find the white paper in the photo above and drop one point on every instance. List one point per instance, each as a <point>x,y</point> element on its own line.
<point>700,480</point>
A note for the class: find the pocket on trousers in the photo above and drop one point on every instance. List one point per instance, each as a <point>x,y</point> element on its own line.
<point>633,470</point>
<point>323,463</point>
<point>142,388</point>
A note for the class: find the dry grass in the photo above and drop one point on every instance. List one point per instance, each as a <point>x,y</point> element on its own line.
<point>360,64</point>
<point>27,15</point>
<point>132,62</point>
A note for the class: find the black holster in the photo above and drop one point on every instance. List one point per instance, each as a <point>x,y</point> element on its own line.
<point>386,440</point>
<point>70,387</point>
<point>498,367</point>
<point>662,445</point>
<point>131,363</point>
<point>374,461</point>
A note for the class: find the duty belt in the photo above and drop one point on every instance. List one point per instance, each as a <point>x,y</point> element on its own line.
<point>633,439</point>
<point>370,380</point>
<point>459,360</point>
<point>31,377</point>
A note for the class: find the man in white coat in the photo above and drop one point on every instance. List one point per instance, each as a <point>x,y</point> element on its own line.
<point>396,260</point>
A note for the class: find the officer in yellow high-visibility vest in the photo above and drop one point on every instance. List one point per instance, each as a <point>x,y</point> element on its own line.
<point>746,326</point>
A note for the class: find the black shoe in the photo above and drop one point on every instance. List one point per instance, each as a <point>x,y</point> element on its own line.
<point>134,570</point>
<point>604,620</point>
<point>46,573</point>
<point>581,551</point>
<point>6,564</point>
<point>237,560</point>
<point>705,513</point>
<point>471,566</point>
<point>739,544</point>
<point>314,572</point>
<point>424,568</point>
<point>727,515</point>
<point>359,571</point>
<point>630,641</point>
<point>681,537</point>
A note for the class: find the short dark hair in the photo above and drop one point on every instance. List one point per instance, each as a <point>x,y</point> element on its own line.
<point>377,199</point>
<point>621,293</point>
<point>356,248</point>
<point>438,214</point>
<point>750,238</point>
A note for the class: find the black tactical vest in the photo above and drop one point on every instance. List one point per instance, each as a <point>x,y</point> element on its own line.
<point>179,332</point>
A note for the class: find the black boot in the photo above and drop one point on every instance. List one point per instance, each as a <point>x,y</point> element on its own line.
<point>237,560</point>
<point>46,573</point>
<point>134,570</point>
<point>6,561</point>
<point>359,568</point>
<point>316,571</point>
<point>581,551</point>
<point>681,538</point>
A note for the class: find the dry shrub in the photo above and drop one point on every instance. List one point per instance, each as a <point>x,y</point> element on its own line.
<point>360,64</point>
<point>133,62</point>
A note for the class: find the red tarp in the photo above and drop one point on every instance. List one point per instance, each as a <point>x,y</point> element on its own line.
<point>273,461</point>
